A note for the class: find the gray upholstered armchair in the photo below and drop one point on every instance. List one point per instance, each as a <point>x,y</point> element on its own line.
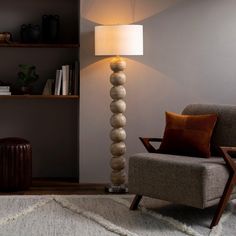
<point>209,181</point>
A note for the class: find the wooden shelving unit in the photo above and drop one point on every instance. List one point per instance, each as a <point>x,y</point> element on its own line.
<point>39,97</point>
<point>39,45</point>
<point>49,122</point>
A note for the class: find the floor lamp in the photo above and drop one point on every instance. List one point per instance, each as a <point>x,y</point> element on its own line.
<point>118,40</point>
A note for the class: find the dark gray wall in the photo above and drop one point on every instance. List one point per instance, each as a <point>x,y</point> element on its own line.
<point>50,125</point>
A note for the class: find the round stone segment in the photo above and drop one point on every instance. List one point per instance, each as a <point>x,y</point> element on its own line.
<point>118,92</point>
<point>118,177</point>
<point>117,64</point>
<point>118,106</point>
<point>118,120</point>
<point>118,135</point>
<point>118,78</point>
<point>117,163</point>
<point>118,149</point>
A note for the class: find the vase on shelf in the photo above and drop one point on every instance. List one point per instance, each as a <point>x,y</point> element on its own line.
<point>26,76</point>
<point>50,28</point>
<point>30,33</point>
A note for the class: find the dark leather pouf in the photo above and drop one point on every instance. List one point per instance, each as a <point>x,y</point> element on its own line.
<point>15,164</point>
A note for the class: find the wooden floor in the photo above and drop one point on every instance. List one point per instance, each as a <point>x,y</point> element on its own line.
<point>59,186</point>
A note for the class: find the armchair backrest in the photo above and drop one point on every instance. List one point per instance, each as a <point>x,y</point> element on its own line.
<point>224,133</point>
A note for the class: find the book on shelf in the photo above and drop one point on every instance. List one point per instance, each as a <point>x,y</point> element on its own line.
<point>66,81</point>
<point>5,93</point>
<point>57,89</point>
<point>70,86</point>
<point>76,78</point>
<point>4,88</point>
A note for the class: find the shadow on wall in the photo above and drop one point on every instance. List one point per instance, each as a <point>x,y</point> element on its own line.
<point>87,51</point>
<point>192,42</point>
<point>97,74</point>
<point>128,11</point>
<point>94,12</point>
<point>161,58</point>
<point>122,11</point>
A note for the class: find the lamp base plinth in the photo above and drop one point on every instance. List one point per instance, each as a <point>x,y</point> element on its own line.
<point>116,189</point>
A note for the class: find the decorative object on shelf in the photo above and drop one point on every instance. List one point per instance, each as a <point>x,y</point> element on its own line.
<point>118,40</point>
<point>30,33</point>
<point>50,28</point>
<point>26,77</point>
<point>49,87</point>
<point>5,37</point>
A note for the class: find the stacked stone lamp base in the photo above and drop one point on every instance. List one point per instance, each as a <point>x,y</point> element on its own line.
<point>118,122</point>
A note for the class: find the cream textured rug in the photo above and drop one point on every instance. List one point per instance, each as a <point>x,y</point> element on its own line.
<point>106,215</point>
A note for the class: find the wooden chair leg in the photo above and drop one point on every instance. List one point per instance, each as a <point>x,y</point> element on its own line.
<point>223,201</point>
<point>135,202</point>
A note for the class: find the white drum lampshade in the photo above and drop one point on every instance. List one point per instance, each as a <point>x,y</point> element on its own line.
<point>119,40</point>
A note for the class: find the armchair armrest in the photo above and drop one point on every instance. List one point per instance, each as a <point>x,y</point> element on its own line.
<point>226,151</point>
<point>149,147</point>
<point>231,165</point>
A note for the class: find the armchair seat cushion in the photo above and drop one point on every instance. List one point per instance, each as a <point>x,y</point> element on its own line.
<point>184,180</point>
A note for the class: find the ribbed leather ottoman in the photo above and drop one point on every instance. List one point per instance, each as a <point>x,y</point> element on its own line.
<point>15,164</point>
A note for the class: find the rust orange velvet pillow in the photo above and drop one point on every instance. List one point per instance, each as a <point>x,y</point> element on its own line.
<point>188,134</point>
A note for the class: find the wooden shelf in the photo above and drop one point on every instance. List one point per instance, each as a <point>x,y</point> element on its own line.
<point>39,97</point>
<point>39,45</point>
